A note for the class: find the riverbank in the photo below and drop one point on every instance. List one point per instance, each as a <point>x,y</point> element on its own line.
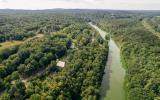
<point>113,79</point>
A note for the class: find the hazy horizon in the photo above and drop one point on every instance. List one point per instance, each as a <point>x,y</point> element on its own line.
<point>81,4</point>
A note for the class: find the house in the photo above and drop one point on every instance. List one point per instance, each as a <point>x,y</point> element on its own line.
<point>73,45</point>
<point>61,64</point>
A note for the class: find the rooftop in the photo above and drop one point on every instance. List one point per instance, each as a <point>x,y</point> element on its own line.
<point>61,64</point>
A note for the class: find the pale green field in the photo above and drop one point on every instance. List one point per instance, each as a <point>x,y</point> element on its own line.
<point>9,44</point>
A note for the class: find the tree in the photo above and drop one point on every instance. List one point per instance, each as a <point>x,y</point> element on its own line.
<point>35,97</point>
<point>5,96</point>
<point>17,91</point>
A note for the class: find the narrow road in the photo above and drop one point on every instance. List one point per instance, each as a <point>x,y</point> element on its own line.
<point>113,79</point>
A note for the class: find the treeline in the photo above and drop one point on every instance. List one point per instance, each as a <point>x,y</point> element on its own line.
<point>10,37</point>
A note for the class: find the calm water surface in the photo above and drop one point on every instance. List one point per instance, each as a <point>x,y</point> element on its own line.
<point>113,79</point>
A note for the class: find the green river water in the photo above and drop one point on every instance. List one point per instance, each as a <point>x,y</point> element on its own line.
<point>113,79</point>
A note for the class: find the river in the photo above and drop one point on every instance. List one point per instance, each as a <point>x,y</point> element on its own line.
<point>113,79</point>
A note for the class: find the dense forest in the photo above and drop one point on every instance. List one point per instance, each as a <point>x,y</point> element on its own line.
<point>30,70</point>
<point>38,40</point>
<point>140,54</point>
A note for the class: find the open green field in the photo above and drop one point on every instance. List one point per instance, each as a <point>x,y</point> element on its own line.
<point>9,44</point>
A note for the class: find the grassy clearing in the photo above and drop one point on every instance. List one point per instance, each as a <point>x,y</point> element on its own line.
<point>37,36</point>
<point>9,44</point>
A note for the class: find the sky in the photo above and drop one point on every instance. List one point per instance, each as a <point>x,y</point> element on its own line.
<point>81,4</point>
